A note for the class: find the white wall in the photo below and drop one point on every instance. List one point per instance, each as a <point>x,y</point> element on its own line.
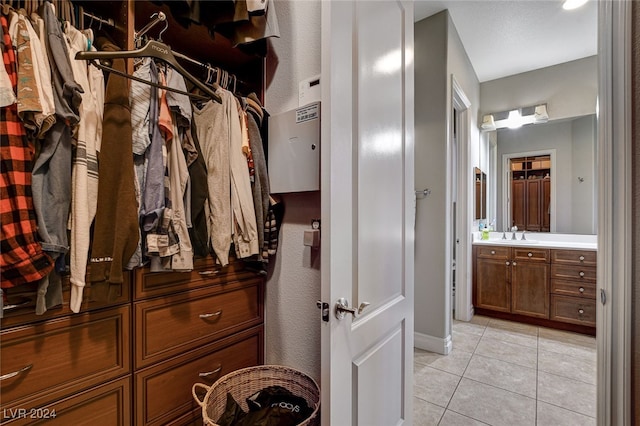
<point>438,54</point>
<point>292,324</point>
<point>584,166</point>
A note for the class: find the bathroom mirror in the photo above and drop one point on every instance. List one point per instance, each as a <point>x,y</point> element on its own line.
<point>480,209</point>
<point>570,146</point>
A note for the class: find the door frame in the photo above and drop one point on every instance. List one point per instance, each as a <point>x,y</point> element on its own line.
<point>461,105</point>
<point>506,187</point>
<point>613,319</point>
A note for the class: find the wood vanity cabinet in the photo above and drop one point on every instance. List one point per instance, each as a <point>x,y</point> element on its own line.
<point>549,287</point>
<point>512,280</point>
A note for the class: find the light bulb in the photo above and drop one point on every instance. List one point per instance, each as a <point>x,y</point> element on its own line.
<point>514,120</point>
<point>573,4</point>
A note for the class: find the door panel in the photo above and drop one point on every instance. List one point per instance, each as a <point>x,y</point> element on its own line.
<point>368,211</point>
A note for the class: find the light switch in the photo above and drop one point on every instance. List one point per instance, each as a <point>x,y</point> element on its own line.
<point>312,238</point>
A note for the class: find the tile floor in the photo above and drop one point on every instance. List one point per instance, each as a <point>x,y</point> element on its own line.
<point>506,373</point>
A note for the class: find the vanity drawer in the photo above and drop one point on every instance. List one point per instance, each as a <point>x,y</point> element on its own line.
<point>575,257</point>
<point>493,252</point>
<point>530,254</point>
<point>575,310</point>
<point>573,288</point>
<point>205,273</point>
<point>163,391</point>
<point>63,356</point>
<point>579,273</point>
<point>168,326</point>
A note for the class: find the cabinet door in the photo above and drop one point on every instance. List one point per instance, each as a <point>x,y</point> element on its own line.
<point>530,289</point>
<point>546,205</point>
<point>534,205</point>
<point>518,202</point>
<point>492,285</point>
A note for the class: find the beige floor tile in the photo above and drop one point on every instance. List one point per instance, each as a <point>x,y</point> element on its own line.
<point>511,325</point>
<point>454,363</point>
<point>507,351</point>
<point>567,348</point>
<point>570,394</point>
<point>522,337</point>
<point>550,415</point>
<point>469,327</point>
<point>433,385</point>
<point>504,375</point>
<point>465,342</point>
<point>491,405</point>
<point>564,365</point>
<point>451,418</point>
<point>480,320</point>
<point>426,413</point>
<point>583,340</point>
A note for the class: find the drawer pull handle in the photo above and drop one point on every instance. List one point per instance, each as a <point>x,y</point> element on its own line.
<point>493,252</point>
<point>6,308</point>
<point>581,311</point>
<point>530,254</point>
<point>210,272</point>
<point>15,373</point>
<point>215,314</point>
<point>581,274</point>
<point>581,258</point>
<point>581,289</point>
<point>514,263</point>
<point>209,373</point>
<point>507,263</point>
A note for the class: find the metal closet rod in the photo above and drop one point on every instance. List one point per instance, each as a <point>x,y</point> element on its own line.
<point>93,17</point>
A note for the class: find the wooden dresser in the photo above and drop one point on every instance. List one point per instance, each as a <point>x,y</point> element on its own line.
<point>133,361</point>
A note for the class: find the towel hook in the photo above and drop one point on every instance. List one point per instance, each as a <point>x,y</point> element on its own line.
<point>423,194</point>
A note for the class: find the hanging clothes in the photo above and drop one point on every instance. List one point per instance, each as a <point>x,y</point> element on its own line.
<point>212,129</point>
<point>22,257</point>
<point>116,226</point>
<point>245,234</point>
<point>84,176</point>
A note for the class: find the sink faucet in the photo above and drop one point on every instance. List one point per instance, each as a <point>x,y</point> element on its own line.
<point>513,230</point>
<point>523,238</point>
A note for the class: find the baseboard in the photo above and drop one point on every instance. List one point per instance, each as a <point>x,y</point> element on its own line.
<point>432,344</point>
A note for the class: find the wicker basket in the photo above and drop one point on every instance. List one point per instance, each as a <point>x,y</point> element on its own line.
<point>247,381</point>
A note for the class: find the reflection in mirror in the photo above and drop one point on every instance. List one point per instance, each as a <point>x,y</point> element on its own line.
<point>549,169</point>
<point>480,210</point>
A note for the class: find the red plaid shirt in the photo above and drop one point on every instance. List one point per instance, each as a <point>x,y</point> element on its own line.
<point>21,257</point>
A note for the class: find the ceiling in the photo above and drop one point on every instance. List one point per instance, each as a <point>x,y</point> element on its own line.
<point>506,37</point>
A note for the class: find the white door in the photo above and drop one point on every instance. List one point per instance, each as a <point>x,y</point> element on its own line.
<point>368,211</point>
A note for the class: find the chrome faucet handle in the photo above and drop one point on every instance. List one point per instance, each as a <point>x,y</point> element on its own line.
<point>504,235</point>
<point>523,238</point>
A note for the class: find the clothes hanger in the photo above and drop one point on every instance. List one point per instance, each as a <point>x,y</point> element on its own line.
<point>153,49</point>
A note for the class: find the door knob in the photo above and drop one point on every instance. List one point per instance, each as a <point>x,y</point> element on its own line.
<point>342,308</point>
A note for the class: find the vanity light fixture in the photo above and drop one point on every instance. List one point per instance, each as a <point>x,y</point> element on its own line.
<point>573,4</point>
<point>515,118</point>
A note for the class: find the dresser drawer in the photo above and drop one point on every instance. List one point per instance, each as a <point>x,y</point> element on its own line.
<point>573,288</point>
<point>204,273</point>
<point>578,273</point>
<point>163,391</point>
<point>168,326</point>
<point>575,310</point>
<point>530,254</point>
<point>60,357</point>
<point>109,404</point>
<point>493,252</point>
<point>575,257</point>
<point>21,306</point>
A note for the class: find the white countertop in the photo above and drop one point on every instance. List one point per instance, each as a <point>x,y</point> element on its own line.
<point>540,239</point>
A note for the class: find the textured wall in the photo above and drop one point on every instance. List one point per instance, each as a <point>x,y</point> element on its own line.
<point>293,285</point>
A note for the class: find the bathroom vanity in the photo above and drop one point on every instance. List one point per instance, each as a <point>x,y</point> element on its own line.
<point>547,280</point>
